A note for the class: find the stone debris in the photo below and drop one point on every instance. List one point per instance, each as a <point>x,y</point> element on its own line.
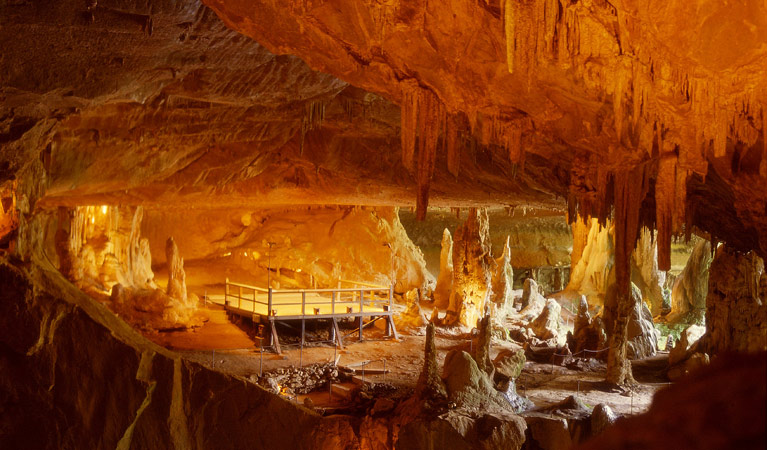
<point>295,380</point>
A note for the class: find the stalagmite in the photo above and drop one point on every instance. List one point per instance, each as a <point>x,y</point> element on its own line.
<point>645,273</point>
<point>176,275</point>
<point>503,283</point>
<point>736,310</point>
<point>473,267</point>
<point>430,387</point>
<point>445,279</point>
<point>688,296</point>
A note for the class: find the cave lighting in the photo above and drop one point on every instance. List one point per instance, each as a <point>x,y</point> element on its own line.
<point>103,209</point>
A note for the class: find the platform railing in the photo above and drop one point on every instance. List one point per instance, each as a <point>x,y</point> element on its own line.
<point>364,295</point>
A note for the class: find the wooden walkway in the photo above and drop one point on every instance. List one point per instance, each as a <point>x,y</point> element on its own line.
<point>267,306</point>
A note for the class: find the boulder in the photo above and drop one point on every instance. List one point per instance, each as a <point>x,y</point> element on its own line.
<point>548,433</point>
<point>546,325</point>
<point>601,417</point>
<point>510,364</point>
<point>689,365</point>
<point>456,430</point>
<point>642,335</point>
<point>467,385</point>
<point>687,338</point>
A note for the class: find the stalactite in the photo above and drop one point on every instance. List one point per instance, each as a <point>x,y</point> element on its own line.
<point>630,190</point>
<point>618,91</point>
<point>313,117</point>
<point>664,207</point>
<point>509,28</point>
<point>409,125</point>
<point>451,142</point>
<point>763,165</point>
<point>430,120</point>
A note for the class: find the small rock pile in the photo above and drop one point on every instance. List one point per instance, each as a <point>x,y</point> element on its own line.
<point>296,380</point>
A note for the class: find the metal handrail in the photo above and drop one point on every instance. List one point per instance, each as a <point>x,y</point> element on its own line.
<point>376,296</point>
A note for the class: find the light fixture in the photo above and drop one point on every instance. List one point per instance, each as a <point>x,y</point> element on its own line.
<point>298,270</point>
<point>103,209</point>
<point>93,219</point>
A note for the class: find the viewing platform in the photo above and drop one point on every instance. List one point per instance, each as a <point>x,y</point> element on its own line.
<point>362,301</point>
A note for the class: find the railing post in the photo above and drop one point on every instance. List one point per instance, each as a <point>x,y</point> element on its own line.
<point>391,294</point>
<point>303,302</point>
<point>269,301</point>
<point>226,293</point>
<point>254,301</point>
<point>362,299</point>
<point>333,303</point>
<point>239,297</point>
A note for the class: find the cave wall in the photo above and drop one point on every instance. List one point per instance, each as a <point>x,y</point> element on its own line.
<point>73,375</point>
<point>736,304</point>
<point>538,239</point>
<point>319,245</point>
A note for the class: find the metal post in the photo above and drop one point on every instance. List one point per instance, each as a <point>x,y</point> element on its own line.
<point>303,302</point>
<point>362,300</point>
<point>261,363</point>
<point>269,268</point>
<point>269,301</point>
<point>254,301</point>
<point>226,293</point>
<point>384,374</point>
<point>333,303</point>
<point>239,297</point>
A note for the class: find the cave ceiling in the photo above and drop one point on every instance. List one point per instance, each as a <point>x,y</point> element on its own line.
<point>653,109</point>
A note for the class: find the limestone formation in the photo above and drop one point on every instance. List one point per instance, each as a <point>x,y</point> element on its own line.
<point>602,417</point>
<point>484,342</point>
<point>642,335</point>
<point>469,386</point>
<point>463,431</point>
<point>591,274</point>
<point>645,273</point>
<point>692,363</point>
<point>176,274</point>
<point>503,284</point>
<point>736,310</point>
<point>445,279</point>
<point>547,324</point>
<point>510,364</point>
<point>473,267</point>
<point>312,246</point>
<point>413,317</point>
<point>688,337</point>
<point>688,297</point>
<point>430,387</point>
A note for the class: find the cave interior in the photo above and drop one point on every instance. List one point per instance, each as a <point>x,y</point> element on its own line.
<point>359,224</point>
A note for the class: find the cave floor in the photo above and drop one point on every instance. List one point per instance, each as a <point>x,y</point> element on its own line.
<point>232,348</point>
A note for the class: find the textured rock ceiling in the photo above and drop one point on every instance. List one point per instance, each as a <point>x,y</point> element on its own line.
<point>655,108</point>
